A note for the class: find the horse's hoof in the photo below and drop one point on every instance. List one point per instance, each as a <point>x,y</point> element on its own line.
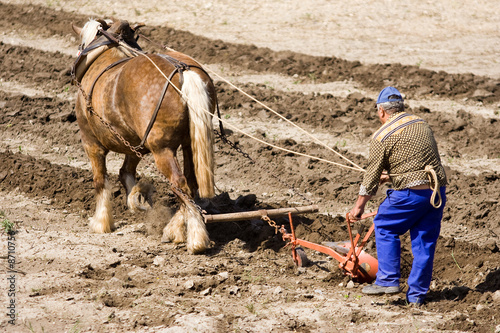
<point>197,248</point>
<point>140,203</point>
<point>173,236</point>
<point>166,238</point>
<point>101,227</point>
<point>141,197</point>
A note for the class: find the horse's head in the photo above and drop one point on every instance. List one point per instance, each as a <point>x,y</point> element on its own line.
<point>98,36</point>
<point>119,28</point>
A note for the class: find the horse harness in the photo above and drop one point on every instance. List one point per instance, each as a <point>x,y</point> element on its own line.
<point>110,39</point>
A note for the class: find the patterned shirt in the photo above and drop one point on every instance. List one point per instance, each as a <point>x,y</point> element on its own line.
<point>403,146</point>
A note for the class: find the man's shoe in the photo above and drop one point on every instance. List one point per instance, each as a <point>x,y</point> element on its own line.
<point>375,289</point>
<point>415,304</point>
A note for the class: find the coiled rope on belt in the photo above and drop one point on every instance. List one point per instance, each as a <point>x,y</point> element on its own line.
<point>433,183</point>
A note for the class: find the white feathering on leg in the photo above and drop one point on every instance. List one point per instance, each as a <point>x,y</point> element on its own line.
<point>174,231</point>
<point>197,234</point>
<point>102,221</point>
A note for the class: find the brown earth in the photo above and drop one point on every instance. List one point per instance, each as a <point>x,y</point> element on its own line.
<point>71,280</point>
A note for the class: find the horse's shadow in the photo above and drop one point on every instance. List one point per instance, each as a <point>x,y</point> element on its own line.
<point>256,233</point>
<point>253,234</point>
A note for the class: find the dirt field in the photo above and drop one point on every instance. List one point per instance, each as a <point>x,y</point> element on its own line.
<point>320,65</point>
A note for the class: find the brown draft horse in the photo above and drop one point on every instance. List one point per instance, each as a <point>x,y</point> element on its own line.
<point>120,88</point>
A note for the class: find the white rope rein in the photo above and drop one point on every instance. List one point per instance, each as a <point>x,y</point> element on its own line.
<point>357,168</point>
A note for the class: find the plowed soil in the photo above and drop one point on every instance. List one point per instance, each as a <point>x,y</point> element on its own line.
<point>70,280</point>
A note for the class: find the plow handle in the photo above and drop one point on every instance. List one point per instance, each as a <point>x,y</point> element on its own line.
<point>353,254</point>
<point>364,216</point>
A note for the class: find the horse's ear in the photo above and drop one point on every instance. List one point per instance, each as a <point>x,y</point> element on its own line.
<point>76,29</point>
<point>136,26</point>
<point>104,24</point>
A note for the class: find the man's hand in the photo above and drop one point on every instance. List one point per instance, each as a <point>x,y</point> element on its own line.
<point>359,208</point>
<point>355,214</point>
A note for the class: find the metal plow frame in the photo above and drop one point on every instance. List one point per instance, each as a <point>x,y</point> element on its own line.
<point>352,259</point>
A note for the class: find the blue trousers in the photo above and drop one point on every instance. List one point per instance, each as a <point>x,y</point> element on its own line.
<point>402,211</point>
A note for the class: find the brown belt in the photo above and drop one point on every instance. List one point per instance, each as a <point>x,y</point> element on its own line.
<point>421,187</point>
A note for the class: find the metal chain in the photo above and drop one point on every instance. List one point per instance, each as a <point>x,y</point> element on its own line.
<point>271,223</point>
<point>89,108</point>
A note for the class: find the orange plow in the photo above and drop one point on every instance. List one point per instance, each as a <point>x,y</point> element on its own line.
<point>352,259</point>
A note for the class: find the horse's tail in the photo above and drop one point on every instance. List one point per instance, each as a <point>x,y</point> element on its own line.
<point>200,127</point>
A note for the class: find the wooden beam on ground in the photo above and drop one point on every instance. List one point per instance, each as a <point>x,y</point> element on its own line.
<point>240,216</point>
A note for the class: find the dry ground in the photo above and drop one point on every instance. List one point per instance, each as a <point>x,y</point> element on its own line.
<point>321,65</point>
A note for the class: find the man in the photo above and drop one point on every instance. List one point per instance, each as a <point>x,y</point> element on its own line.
<point>405,148</point>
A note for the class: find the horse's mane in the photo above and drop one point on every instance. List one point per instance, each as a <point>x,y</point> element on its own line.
<point>89,32</point>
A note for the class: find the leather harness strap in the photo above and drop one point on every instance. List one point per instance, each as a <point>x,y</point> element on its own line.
<point>100,41</point>
<point>179,67</point>
<point>223,133</point>
<point>162,96</point>
<point>91,90</point>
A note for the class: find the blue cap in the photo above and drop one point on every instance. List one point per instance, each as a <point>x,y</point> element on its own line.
<point>389,92</point>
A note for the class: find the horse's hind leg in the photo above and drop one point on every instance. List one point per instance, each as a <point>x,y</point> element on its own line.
<point>139,196</point>
<point>168,166</point>
<point>102,221</point>
<point>175,230</point>
<point>197,235</point>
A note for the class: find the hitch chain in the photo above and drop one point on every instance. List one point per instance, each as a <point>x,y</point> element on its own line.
<point>107,124</point>
<point>271,223</point>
